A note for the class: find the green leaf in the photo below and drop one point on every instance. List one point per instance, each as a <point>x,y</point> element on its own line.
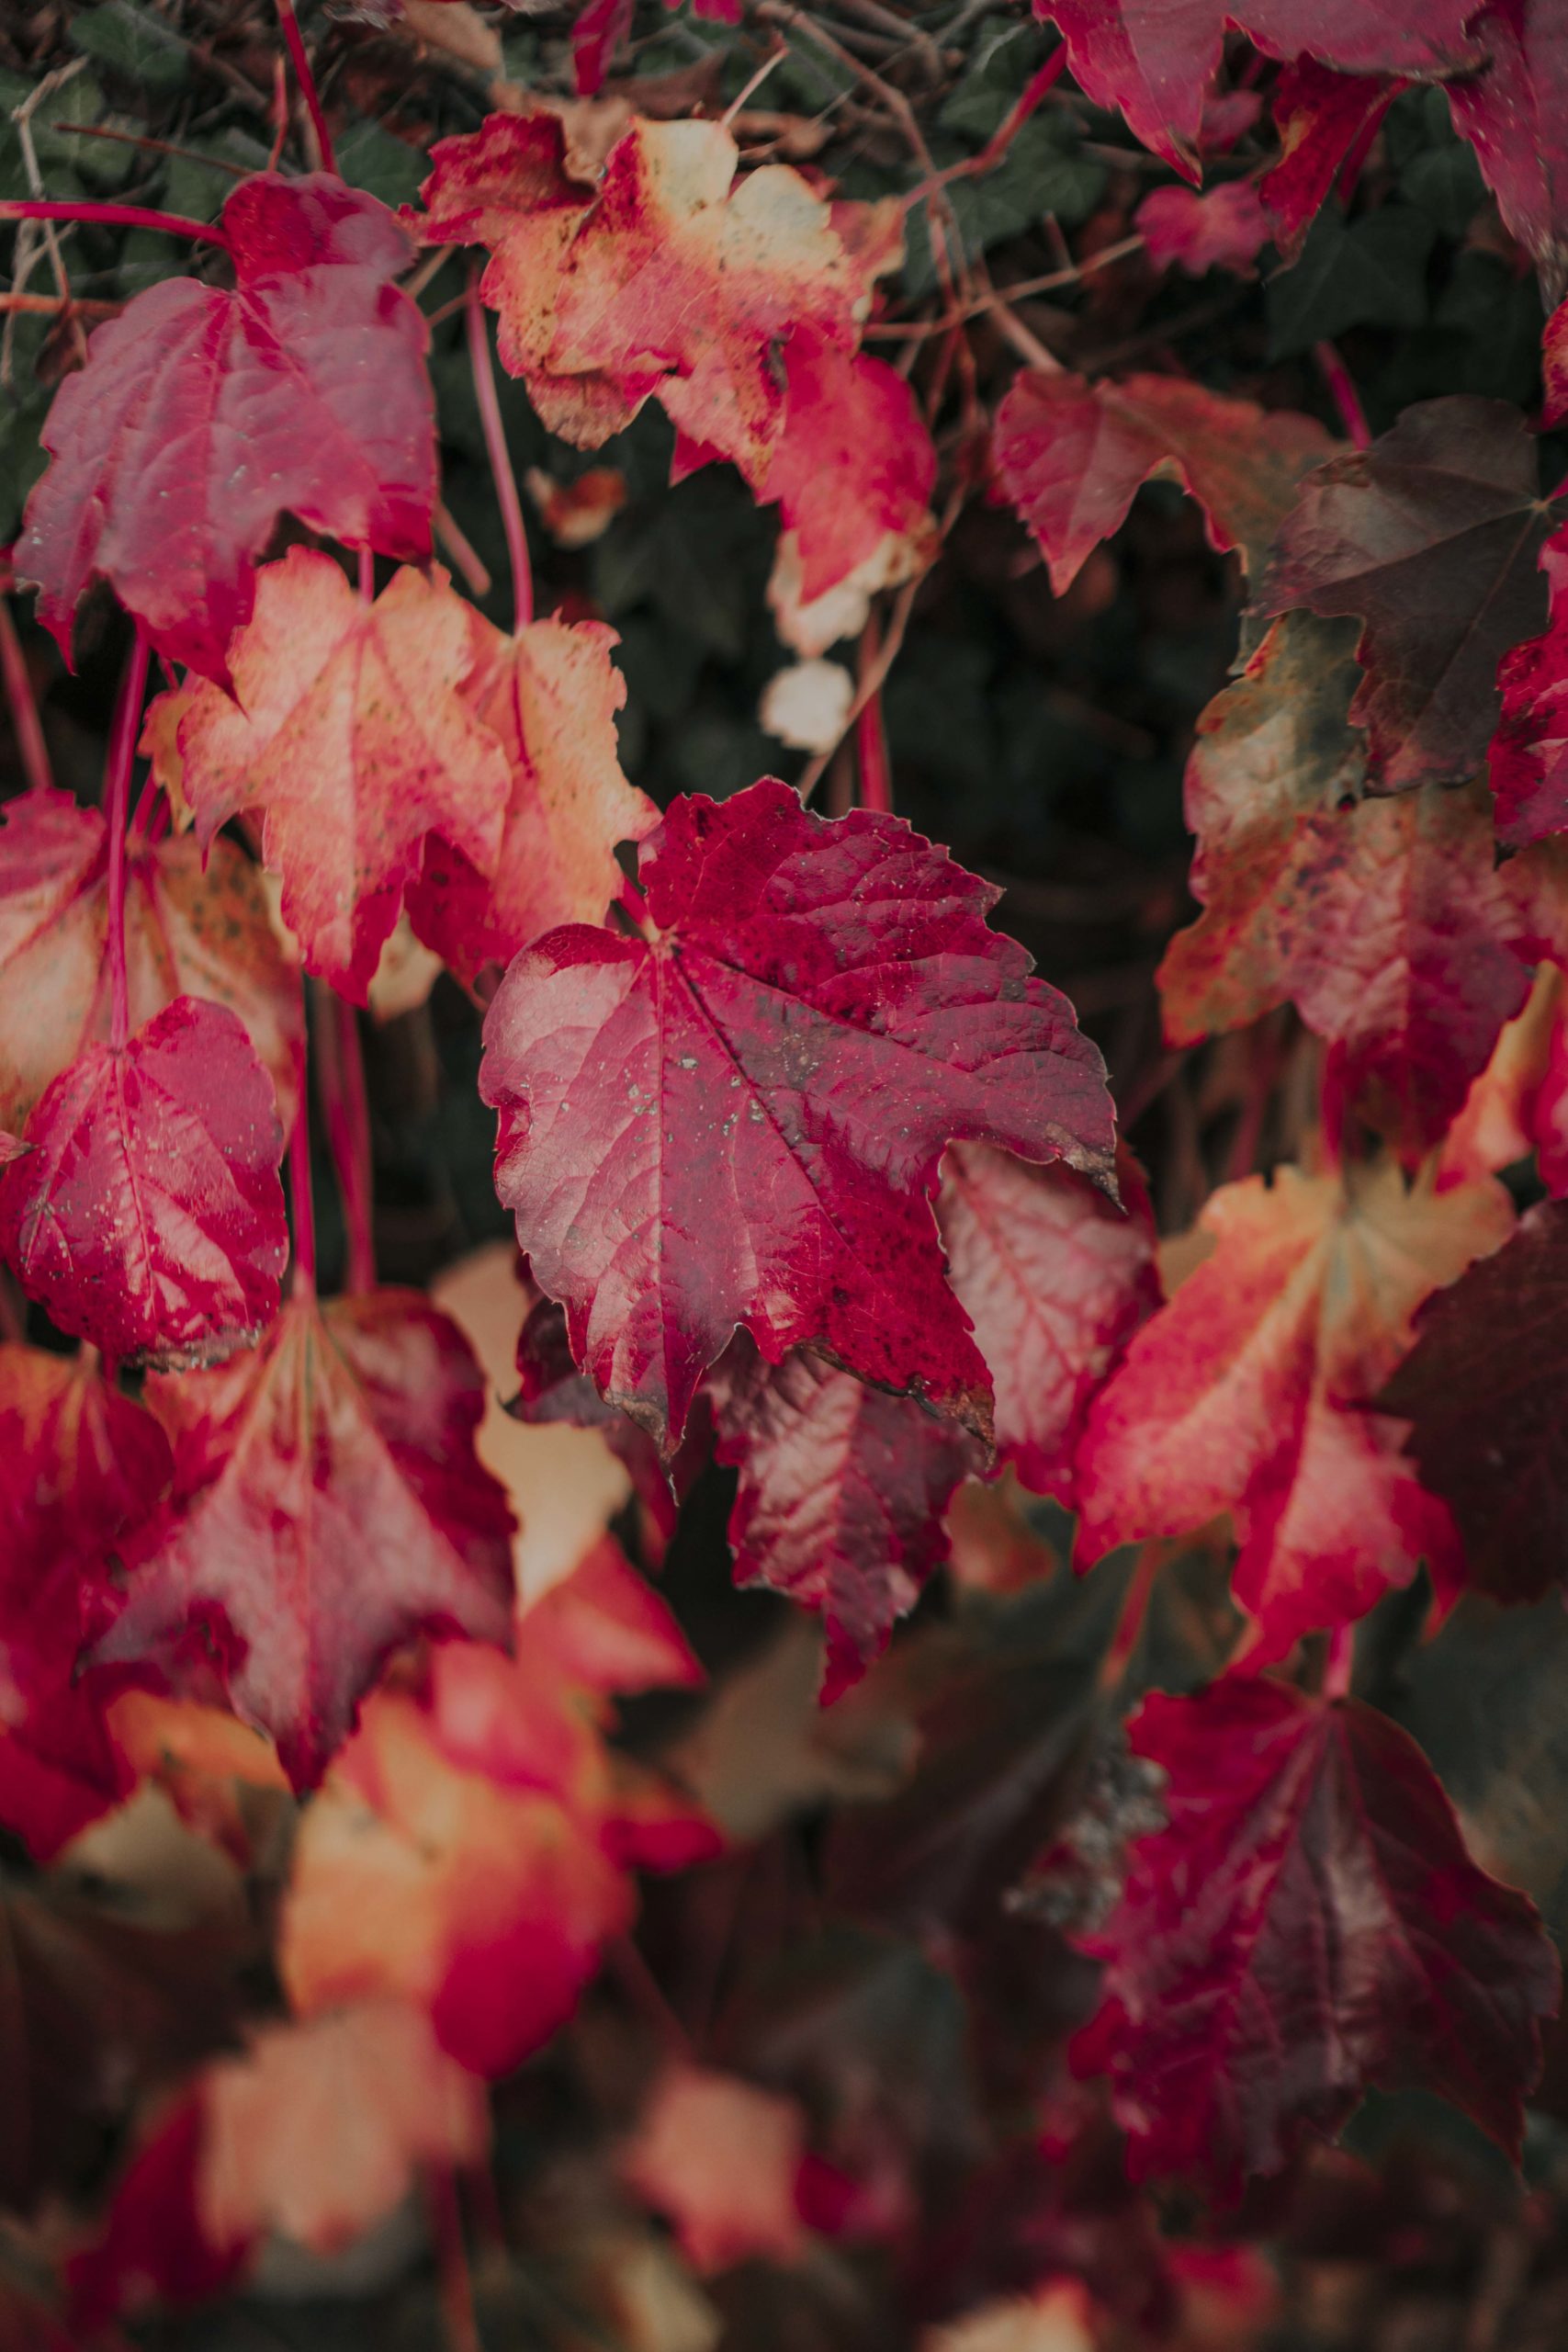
<point>371,158</point>
<point>1371,272</point>
<point>131,43</point>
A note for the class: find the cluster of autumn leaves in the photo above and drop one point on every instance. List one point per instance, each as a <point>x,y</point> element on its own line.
<point>808,1168</point>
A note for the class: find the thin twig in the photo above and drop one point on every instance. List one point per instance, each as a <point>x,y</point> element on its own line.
<point>154,146</point>
<point>31,748</point>
<point>464,556</point>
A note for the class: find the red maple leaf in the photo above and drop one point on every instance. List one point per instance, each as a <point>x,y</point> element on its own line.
<point>80,1465</point>
<point>1154,59</point>
<point>327,1504</point>
<point>204,414</point>
<point>1307,1925</point>
<point>1243,1394</point>
<point>1055,1280</point>
<point>470,1847</point>
<point>1385,920</point>
<point>1227,229</point>
<point>353,738</point>
<point>1431,539</point>
<point>1071,455</point>
<point>148,1216</point>
<point>192,928</point>
<point>842,1495</point>
<point>694,1131</point>
<point>1320,116</point>
<point>1484,1388</point>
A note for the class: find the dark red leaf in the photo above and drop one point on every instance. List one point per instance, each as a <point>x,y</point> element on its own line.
<point>1516,116</point>
<point>1055,1280</point>
<point>1071,456</point>
<point>554,1390</point>
<point>204,414</point>
<point>1306,1925</point>
<point>1431,538</point>
<point>737,1117</point>
<point>327,1505</point>
<point>1484,1386</point>
<point>843,1491</point>
<point>11,1148</point>
<point>1154,58</point>
<point>148,1216</point>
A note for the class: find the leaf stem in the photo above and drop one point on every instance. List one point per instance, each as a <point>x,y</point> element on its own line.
<point>871,739</point>
<point>32,749</point>
<point>116,216</point>
<point>500,458</point>
<point>340,1086</point>
<point>459,2322</point>
<point>1342,392</point>
<point>294,41</point>
<point>301,1201</point>
<point>1341,1661</point>
<point>1130,1617</point>
<point>116,803</point>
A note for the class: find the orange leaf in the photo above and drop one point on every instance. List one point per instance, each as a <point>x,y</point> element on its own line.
<point>353,738</point>
<point>721,2159</point>
<point>1242,1393</point>
<point>549,695</point>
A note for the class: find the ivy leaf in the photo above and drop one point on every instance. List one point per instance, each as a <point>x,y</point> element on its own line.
<point>204,414</point>
<point>1431,538</point>
<point>1307,1925</point>
<point>192,928</point>
<point>1071,455</point>
<point>148,1217</point>
<point>353,738</point>
<point>327,1504</point>
<point>1349,273</point>
<point>1155,61</point>
<point>842,1496</point>
<point>1482,1388</point>
<point>549,695</point>
<point>1385,921</point>
<point>1514,115</point>
<point>1055,1280</point>
<point>693,1125</point>
<point>1243,1394</point>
